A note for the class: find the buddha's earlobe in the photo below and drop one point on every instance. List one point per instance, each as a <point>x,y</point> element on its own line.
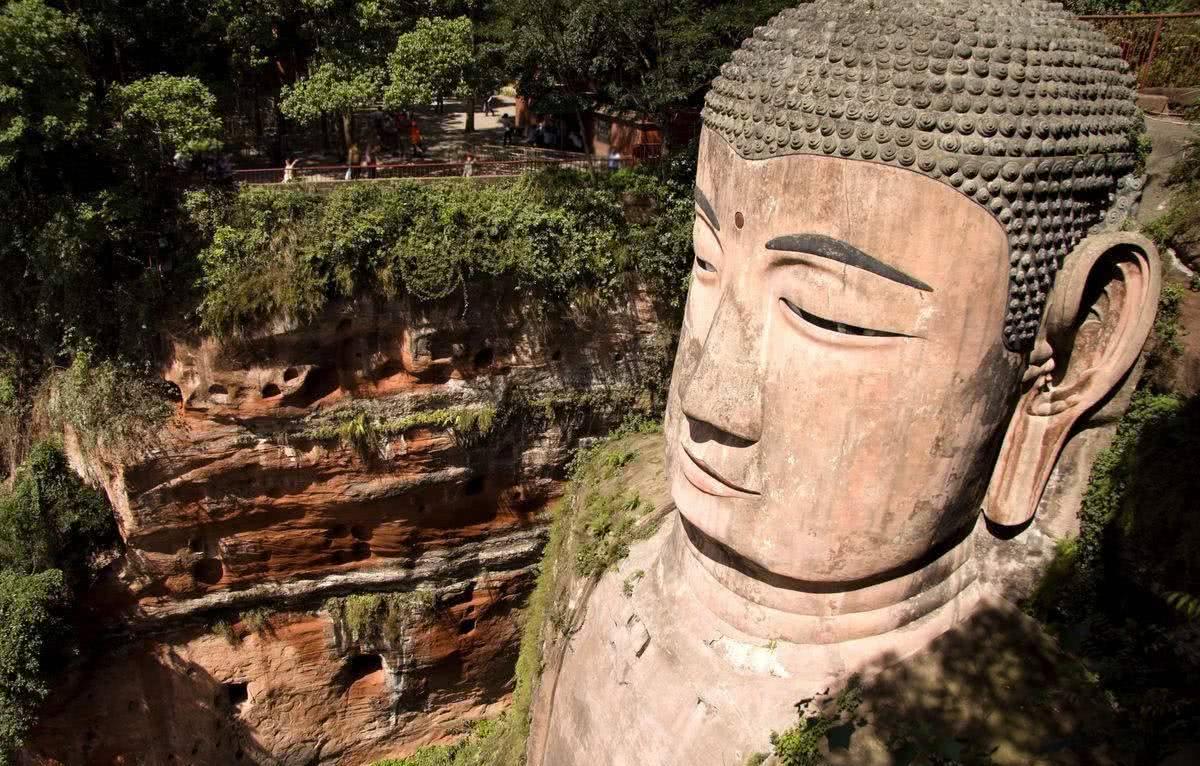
<point>1096,322</point>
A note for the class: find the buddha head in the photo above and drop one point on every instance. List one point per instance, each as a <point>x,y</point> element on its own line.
<point>910,281</point>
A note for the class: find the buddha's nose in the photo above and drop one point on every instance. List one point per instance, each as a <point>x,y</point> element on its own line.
<point>725,390</point>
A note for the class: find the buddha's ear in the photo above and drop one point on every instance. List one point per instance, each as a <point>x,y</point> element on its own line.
<point>1096,322</point>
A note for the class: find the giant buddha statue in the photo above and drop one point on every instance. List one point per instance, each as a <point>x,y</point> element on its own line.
<point>911,282</point>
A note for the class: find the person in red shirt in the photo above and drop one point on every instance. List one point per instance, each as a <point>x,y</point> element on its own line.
<point>414,139</point>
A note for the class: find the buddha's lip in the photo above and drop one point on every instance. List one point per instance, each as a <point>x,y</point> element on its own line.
<point>705,478</point>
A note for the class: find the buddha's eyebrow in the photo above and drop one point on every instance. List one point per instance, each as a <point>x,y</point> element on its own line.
<point>843,252</point>
<point>706,208</point>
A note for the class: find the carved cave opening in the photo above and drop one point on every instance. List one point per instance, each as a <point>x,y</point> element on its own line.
<point>235,693</point>
<point>208,571</point>
<point>357,668</point>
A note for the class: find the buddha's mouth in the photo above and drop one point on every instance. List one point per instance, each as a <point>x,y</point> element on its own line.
<point>705,478</point>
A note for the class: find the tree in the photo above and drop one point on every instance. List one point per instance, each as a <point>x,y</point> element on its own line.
<point>51,519</point>
<point>45,92</point>
<point>654,57</point>
<point>30,632</point>
<point>333,90</point>
<point>178,113</point>
<point>51,525</point>
<point>429,62</point>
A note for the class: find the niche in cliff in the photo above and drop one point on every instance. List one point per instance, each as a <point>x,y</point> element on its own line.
<point>208,571</point>
<point>235,694</point>
<point>359,668</point>
<point>318,384</point>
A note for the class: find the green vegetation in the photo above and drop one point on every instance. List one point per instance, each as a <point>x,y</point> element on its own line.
<point>333,90</point>
<point>224,629</point>
<point>365,431</point>
<point>171,113</point>
<point>109,404</point>
<point>472,750</point>
<point>630,582</point>
<point>599,472</point>
<point>287,252</point>
<point>655,57</point>
<point>50,520</point>
<point>1164,346</point>
<point>51,528</point>
<point>430,62</point>
<point>369,618</point>
<point>1117,596</point>
<point>1179,227</point>
<point>608,525</point>
<point>801,744</point>
<point>257,620</point>
<point>29,635</point>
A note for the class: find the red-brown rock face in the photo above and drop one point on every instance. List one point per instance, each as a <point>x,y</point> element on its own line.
<point>386,450</point>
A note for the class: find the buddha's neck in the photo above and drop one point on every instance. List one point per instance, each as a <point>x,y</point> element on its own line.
<point>776,608</point>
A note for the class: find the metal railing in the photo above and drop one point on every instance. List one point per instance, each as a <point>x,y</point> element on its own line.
<point>1163,49</point>
<point>301,174</point>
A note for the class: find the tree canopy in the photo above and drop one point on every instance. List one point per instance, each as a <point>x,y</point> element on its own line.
<point>45,92</point>
<point>176,113</point>
<point>432,61</point>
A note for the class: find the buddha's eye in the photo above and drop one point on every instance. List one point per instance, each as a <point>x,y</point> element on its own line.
<point>704,265</point>
<point>838,327</point>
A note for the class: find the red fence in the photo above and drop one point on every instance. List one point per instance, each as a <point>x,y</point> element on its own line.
<point>479,169</point>
<point>1163,49</point>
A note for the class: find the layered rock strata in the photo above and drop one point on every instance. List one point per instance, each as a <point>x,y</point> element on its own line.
<point>316,480</point>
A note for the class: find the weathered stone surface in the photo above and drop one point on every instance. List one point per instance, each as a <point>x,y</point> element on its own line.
<point>250,500</point>
<point>291,693</point>
<point>875,348</point>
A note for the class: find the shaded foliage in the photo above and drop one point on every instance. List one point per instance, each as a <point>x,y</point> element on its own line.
<point>1110,600</point>
<point>29,631</point>
<point>51,520</point>
<point>51,529</point>
<point>652,57</point>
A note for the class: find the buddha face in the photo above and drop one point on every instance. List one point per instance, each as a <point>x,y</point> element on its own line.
<point>841,387</point>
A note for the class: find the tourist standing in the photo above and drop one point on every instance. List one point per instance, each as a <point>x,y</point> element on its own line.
<point>506,122</point>
<point>415,141</point>
<point>369,163</point>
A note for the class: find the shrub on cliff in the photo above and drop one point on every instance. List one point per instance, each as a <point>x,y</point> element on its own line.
<point>51,520</point>
<point>51,527</point>
<point>29,631</point>
<point>108,404</point>
<point>286,252</point>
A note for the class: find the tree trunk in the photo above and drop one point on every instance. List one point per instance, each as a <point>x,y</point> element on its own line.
<point>470,128</point>
<point>587,146</point>
<point>348,133</point>
<point>258,120</point>
<point>278,145</point>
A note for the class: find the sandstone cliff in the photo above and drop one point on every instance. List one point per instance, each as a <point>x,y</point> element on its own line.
<point>327,551</point>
